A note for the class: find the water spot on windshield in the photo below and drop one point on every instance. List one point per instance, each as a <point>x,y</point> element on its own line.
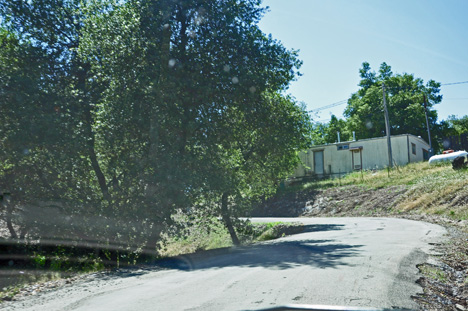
<point>235,80</point>
<point>200,19</point>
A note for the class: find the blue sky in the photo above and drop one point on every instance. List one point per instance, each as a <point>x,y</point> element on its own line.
<point>426,38</point>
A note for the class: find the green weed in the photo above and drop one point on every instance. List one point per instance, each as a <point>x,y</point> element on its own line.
<point>7,293</point>
<point>433,272</point>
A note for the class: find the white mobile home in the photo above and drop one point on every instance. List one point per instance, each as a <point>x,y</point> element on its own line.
<point>345,157</point>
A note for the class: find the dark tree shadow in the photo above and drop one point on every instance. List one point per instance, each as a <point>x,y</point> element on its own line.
<point>276,254</point>
<point>322,227</point>
<point>282,254</point>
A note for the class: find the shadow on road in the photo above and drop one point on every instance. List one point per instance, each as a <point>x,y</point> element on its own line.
<point>322,227</point>
<point>276,254</point>
<point>279,255</point>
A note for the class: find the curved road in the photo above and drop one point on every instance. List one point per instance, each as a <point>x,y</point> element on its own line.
<point>367,262</point>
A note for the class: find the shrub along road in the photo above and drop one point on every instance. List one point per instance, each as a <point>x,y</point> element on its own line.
<point>336,261</point>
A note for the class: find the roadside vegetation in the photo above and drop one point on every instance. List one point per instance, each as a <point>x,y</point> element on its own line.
<point>199,237</point>
<point>417,188</point>
<point>407,175</point>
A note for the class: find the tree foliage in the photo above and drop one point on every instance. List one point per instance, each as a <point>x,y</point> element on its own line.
<point>327,133</point>
<point>405,100</point>
<point>454,126</point>
<point>119,113</point>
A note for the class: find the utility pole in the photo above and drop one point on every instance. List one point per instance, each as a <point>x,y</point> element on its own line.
<point>387,129</point>
<point>428,130</point>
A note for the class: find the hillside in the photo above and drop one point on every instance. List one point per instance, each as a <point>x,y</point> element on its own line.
<point>415,189</point>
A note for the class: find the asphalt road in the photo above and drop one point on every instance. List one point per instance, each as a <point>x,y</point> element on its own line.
<point>367,262</point>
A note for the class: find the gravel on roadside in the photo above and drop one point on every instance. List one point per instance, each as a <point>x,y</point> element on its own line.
<point>445,277</point>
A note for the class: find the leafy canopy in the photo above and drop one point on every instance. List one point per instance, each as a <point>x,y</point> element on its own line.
<point>132,110</point>
<point>405,100</point>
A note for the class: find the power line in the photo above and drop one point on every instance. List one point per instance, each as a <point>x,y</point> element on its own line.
<point>413,89</point>
<point>341,102</point>
<point>344,101</point>
<point>453,83</point>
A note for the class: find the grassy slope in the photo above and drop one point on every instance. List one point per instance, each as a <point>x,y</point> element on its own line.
<point>429,189</point>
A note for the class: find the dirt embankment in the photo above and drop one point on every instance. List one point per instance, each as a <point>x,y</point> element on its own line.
<point>339,201</point>
<point>362,201</point>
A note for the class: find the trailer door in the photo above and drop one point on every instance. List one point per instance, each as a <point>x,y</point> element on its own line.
<point>318,162</point>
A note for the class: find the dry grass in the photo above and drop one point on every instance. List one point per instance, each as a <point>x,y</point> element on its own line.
<point>400,175</point>
<point>437,191</point>
<point>431,189</point>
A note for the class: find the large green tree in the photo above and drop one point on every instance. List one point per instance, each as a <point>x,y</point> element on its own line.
<point>158,106</point>
<point>193,87</point>
<point>255,153</point>
<point>405,95</point>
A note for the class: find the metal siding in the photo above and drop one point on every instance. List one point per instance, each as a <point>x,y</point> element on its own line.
<point>374,155</point>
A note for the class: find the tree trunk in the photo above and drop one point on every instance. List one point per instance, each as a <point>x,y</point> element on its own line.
<point>97,170</point>
<point>9,222</point>
<point>91,136</point>
<point>150,249</point>
<point>227,219</point>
